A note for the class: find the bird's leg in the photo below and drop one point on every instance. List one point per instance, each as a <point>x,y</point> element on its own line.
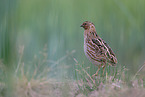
<point>96,71</point>
<point>104,69</point>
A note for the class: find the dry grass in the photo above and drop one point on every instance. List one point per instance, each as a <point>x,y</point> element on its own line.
<point>116,85</point>
<point>37,84</point>
<point>30,82</point>
<point>44,88</point>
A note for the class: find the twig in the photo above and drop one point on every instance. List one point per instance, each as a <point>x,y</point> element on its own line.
<point>21,55</point>
<point>61,59</point>
<point>85,72</point>
<point>138,71</point>
<point>89,76</point>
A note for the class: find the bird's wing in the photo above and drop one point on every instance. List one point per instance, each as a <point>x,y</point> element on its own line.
<point>109,48</point>
<point>105,49</point>
<point>112,58</point>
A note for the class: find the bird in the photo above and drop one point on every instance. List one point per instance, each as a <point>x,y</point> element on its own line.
<point>96,49</point>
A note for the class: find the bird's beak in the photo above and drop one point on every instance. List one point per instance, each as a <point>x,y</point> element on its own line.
<point>82,26</point>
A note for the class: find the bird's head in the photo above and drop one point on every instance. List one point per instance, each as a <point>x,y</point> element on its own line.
<point>88,25</point>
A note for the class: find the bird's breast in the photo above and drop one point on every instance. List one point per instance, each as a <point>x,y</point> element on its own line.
<point>85,46</point>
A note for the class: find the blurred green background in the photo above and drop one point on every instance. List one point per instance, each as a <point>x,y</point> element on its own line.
<point>56,24</point>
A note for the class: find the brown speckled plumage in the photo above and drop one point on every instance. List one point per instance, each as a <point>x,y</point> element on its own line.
<point>96,49</point>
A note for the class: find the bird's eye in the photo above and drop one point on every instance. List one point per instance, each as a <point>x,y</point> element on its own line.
<point>85,23</point>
